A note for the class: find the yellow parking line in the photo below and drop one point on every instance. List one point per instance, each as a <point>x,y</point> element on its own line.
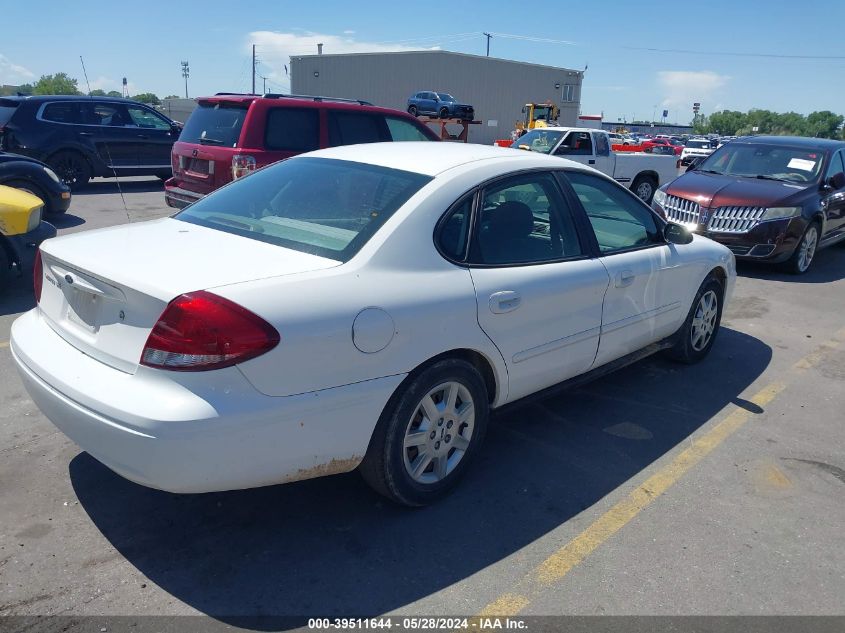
<point>4,344</point>
<point>562,561</point>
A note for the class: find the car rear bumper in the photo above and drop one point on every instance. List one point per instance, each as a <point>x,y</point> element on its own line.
<point>179,197</point>
<point>192,432</point>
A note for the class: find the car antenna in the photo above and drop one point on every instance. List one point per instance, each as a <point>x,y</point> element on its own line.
<point>106,145</point>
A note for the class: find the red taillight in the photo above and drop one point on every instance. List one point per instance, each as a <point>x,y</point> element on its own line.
<point>37,276</point>
<point>200,331</point>
<point>242,165</point>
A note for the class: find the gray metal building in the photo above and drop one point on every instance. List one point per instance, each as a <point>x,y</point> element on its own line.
<point>497,88</point>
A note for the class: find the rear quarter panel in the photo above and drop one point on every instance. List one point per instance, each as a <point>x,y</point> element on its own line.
<point>629,165</point>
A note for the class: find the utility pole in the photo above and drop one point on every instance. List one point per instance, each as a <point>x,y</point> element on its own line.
<point>253,69</point>
<point>264,88</point>
<point>185,73</point>
<point>488,36</point>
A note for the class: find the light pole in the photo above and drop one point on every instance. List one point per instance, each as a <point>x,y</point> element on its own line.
<point>488,36</point>
<point>185,73</point>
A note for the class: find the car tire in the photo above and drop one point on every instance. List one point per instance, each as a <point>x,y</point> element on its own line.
<point>644,187</point>
<point>444,113</point>
<point>71,167</point>
<point>414,460</point>
<point>35,190</point>
<point>412,110</point>
<point>696,336</point>
<point>805,251</point>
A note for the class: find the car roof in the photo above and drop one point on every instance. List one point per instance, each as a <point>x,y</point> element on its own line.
<point>431,159</point>
<point>794,141</point>
<point>37,98</point>
<point>299,101</point>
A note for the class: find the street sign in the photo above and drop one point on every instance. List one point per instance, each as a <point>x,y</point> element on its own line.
<point>665,113</point>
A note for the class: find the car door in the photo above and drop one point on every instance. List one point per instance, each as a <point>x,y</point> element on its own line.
<point>538,291</point>
<point>430,103</point>
<point>833,200</point>
<point>114,134</point>
<point>155,135</point>
<point>651,282</point>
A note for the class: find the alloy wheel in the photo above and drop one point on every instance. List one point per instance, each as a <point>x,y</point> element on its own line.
<point>704,320</point>
<point>808,248</point>
<point>439,433</point>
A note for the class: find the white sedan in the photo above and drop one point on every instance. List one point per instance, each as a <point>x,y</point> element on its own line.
<point>357,307</point>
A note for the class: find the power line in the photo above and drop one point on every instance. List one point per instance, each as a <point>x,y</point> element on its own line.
<point>531,38</point>
<point>732,54</point>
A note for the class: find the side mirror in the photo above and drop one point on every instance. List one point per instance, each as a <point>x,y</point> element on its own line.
<point>836,181</point>
<point>676,234</point>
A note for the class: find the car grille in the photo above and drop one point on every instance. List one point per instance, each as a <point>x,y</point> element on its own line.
<point>735,219</point>
<point>681,210</point>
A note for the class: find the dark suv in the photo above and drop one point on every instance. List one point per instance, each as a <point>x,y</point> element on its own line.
<point>439,104</point>
<point>229,135</point>
<point>83,137</point>
<point>767,198</point>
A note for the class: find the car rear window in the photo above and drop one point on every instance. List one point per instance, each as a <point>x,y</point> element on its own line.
<point>215,124</point>
<point>329,208</point>
<point>292,129</point>
<point>350,128</point>
<point>402,130</point>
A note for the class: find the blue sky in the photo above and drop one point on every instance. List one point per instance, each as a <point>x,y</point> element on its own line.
<point>146,41</point>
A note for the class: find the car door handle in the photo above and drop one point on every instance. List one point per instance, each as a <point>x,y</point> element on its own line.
<point>505,301</point>
<point>624,278</point>
<point>142,136</point>
<point>86,134</point>
<point>591,162</point>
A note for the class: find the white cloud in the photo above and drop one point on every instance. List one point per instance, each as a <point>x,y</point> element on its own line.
<point>274,49</point>
<point>682,88</point>
<point>13,74</point>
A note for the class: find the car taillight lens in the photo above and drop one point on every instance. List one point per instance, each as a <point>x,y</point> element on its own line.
<point>242,165</point>
<point>199,331</point>
<point>37,276</point>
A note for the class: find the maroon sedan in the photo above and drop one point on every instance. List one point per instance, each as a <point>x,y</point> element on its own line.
<point>767,198</point>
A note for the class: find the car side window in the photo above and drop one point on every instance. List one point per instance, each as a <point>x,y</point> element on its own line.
<point>62,112</point>
<point>292,129</point>
<point>524,219</point>
<point>836,165</point>
<point>110,114</point>
<point>401,130</point>
<point>453,234</point>
<point>602,145</point>
<point>350,128</point>
<point>142,117</point>
<point>576,143</point>
<point>619,220</point>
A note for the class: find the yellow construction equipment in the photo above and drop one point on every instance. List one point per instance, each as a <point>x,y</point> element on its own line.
<point>538,115</point>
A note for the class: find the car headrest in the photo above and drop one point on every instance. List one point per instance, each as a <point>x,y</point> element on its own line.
<point>512,218</point>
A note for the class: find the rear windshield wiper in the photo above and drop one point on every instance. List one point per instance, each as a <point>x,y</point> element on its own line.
<point>709,171</point>
<point>209,141</point>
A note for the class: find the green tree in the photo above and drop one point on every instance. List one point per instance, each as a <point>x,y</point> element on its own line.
<point>97,93</point>
<point>824,124</point>
<point>726,122</point>
<point>790,123</point>
<point>58,84</point>
<point>113,93</point>
<point>147,97</point>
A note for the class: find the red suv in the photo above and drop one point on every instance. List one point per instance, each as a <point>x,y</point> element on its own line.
<point>229,135</point>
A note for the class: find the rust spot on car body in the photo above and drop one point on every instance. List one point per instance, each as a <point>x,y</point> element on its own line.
<point>334,467</point>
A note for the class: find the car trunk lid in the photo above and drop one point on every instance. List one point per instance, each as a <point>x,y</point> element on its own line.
<point>104,290</point>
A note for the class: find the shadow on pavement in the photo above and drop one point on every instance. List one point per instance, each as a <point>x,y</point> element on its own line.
<point>18,296</point>
<point>828,265</point>
<point>64,220</point>
<point>110,185</point>
<point>268,558</point>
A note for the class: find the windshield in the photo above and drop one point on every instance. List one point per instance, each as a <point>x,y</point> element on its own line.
<point>329,208</point>
<point>542,140</point>
<point>445,97</point>
<point>698,144</point>
<point>775,162</point>
<point>215,124</point>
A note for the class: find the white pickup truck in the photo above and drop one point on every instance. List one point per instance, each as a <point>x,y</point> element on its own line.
<point>641,173</point>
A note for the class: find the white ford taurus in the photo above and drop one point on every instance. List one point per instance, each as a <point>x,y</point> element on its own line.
<point>363,306</point>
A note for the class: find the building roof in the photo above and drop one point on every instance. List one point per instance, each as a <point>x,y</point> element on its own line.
<point>441,52</point>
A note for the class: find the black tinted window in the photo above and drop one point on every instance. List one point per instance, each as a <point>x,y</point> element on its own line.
<point>293,129</point>
<point>329,208</point>
<point>7,109</point>
<point>62,112</point>
<point>525,220</point>
<point>350,128</point>
<point>214,124</point>
<point>619,220</point>
<point>454,230</point>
